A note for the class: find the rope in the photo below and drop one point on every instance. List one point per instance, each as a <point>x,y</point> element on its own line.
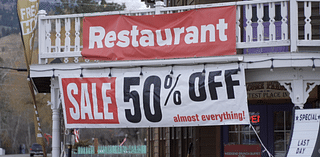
<point>264,147</point>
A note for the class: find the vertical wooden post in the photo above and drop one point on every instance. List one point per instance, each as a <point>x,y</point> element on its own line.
<point>272,26</point>
<point>158,6</point>
<point>41,35</point>
<point>293,25</point>
<point>284,21</point>
<point>249,35</point>
<point>96,144</point>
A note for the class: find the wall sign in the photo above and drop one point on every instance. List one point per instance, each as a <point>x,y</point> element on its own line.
<point>156,97</point>
<point>233,150</point>
<point>305,138</point>
<point>195,33</point>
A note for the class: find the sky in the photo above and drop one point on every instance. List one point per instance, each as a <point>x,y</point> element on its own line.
<point>131,4</point>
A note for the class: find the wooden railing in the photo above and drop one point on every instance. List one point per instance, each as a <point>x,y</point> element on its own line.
<point>263,24</point>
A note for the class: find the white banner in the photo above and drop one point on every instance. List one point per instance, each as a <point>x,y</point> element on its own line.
<point>305,137</point>
<point>168,96</point>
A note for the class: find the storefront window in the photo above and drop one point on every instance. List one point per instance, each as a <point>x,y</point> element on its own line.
<point>282,127</point>
<point>243,134</point>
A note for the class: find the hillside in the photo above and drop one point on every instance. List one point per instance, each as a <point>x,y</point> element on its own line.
<point>11,46</point>
<point>16,108</point>
<point>8,19</point>
<point>9,22</point>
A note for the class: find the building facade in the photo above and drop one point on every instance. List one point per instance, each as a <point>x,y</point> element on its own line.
<point>278,44</point>
<point>269,102</point>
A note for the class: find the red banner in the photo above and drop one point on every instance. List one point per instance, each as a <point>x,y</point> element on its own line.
<point>95,101</point>
<point>195,33</point>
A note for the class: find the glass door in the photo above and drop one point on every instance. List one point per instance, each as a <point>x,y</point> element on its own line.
<point>282,118</point>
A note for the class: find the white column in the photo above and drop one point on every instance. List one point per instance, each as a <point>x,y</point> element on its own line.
<point>294,25</point>
<point>55,106</point>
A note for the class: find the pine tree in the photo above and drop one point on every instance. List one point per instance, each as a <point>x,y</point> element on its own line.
<point>112,7</point>
<point>87,6</point>
<point>103,2</point>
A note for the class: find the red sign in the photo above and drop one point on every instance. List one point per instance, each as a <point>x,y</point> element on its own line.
<point>90,100</point>
<point>195,33</point>
<point>255,119</point>
<point>242,150</point>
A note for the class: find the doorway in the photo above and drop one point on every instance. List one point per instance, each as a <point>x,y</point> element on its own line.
<point>271,122</point>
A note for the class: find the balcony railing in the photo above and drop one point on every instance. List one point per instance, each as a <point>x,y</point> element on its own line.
<point>269,24</point>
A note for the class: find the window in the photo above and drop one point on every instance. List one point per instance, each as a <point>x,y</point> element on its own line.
<point>243,134</point>
<point>282,127</point>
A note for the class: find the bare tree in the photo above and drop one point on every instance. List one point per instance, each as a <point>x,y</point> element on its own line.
<point>16,107</point>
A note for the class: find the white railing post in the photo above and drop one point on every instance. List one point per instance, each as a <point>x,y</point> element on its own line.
<point>272,26</point>
<point>249,35</point>
<point>307,25</point>
<point>284,21</point>
<point>293,25</point>
<point>58,35</point>
<point>158,6</point>
<point>41,35</point>
<point>260,28</point>
<point>238,28</point>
